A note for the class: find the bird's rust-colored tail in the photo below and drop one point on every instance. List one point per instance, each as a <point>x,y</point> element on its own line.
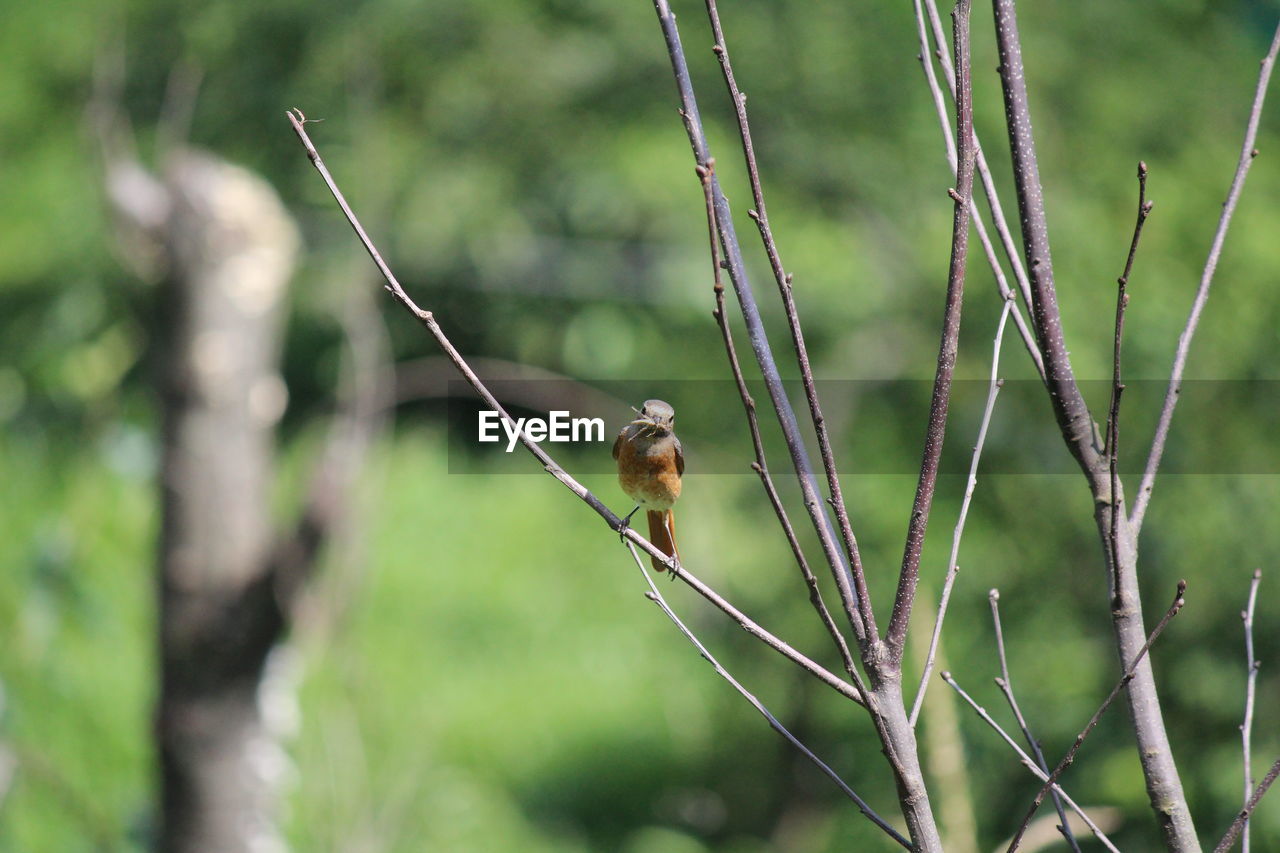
<point>662,533</point>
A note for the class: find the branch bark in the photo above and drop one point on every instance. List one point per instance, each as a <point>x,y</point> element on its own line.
<point>935,431</point>
<point>755,328</point>
<point>1079,431</point>
<point>428,321</point>
<point>1247,153</point>
<point>761,217</point>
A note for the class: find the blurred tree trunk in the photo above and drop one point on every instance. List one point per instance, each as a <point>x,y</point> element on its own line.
<point>229,247</point>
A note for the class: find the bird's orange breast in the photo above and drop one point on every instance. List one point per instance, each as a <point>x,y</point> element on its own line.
<point>647,472</point>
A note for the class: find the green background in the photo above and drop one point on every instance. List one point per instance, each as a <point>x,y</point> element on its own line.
<point>477,668</point>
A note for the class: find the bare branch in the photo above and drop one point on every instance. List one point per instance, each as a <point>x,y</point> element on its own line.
<point>1005,683</point>
<point>1247,153</point>
<point>1117,387</point>
<point>1176,606</point>
<point>980,228</point>
<point>656,597</point>
<point>953,568</point>
<point>1237,825</point>
<point>427,319</point>
<point>1250,692</point>
<point>1029,764</point>
<point>755,327</point>
<point>1080,433</point>
<point>760,466</point>
<point>1068,406</point>
<point>984,172</point>
<point>935,432</point>
<point>761,217</point>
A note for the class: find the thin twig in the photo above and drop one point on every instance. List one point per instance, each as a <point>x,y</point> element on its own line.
<point>1117,387</point>
<point>1237,825</point>
<point>1250,692</point>
<point>655,595</point>
<point>1247,153</point>
<point>755,327</point>
<point>761,217</point>
<point>984,172</point>
<point>980,228</point>
<point>1029,764</point>
<point>427,319</point>
<point>760,466</point>
<point>953,567</point>
<point>962,195</point>
<point>1005,683</point>
<point>1173,610</point>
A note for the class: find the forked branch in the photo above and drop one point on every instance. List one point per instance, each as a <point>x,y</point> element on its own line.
<point>428,321</point>
<point>1173,610</point>
<point>760,466</point>
<point>761,217</point>
<point>1247,153</point>
<point>655,595</point>
<point>1028,763</point>
<point>756,334</point>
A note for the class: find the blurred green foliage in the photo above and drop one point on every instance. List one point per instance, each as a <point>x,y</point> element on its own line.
<point>479,671</point>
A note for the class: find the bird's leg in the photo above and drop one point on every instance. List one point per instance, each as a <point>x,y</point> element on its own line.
<point>626,522</point>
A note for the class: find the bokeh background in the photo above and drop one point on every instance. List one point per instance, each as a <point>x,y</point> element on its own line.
<point>476,668</point>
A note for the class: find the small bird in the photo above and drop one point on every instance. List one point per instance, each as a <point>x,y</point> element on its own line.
<point>650,464</point>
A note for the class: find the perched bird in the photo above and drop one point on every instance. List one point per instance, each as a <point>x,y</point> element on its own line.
<point>650,463</point>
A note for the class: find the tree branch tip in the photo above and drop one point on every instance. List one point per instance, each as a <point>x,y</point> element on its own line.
<point>1253,153</point>
<point>718,50</point>
<point>648,593</point>
<point>753,215</point>
<point>1146,208</point>
<point>1000,382</point>
<point>955,196</point>
<point>945,675</point>
<point>788,279</point>
<point>993,594</point>
<point>1257,573</point>
<point>1142,168</point>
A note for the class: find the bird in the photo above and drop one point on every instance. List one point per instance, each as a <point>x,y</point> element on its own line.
<point>650,465</point>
